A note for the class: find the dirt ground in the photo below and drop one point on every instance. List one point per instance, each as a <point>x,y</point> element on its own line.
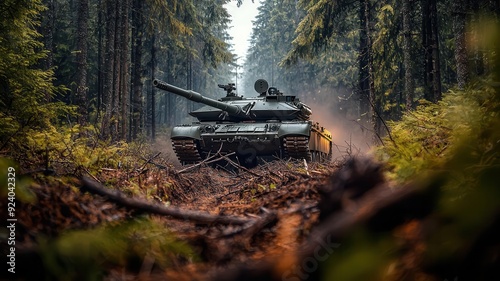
<point>280,198</point>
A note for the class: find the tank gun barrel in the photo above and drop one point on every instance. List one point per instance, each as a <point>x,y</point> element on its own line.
<point>197,97</point>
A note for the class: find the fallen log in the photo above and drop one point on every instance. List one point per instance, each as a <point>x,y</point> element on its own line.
<point>118,197</point>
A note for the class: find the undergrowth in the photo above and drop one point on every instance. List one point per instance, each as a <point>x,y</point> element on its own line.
<point>56,156</point>
<point>72,149</point>
<point>427,137</point>
<point>84,254</point>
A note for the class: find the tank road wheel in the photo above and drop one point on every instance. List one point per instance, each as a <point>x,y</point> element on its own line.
<point>297,147</point>
<point>187,150</point>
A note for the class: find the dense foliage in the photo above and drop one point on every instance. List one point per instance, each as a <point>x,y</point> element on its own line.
<point>25,87</point>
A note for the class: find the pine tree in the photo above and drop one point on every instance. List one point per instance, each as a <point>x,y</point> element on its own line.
<point>24,87</point>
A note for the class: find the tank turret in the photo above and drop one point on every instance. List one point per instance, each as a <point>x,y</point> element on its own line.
<point>270,126</point>
<point>270,104</point>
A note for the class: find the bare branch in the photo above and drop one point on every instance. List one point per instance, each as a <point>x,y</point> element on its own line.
<point>142,205</point>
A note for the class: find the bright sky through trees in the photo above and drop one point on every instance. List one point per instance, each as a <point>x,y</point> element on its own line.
<point>241,25</point>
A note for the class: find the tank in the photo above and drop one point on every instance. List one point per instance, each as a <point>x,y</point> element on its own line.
<point>270,126</point>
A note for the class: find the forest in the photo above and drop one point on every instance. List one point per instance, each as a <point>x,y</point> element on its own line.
<point>91,188</point>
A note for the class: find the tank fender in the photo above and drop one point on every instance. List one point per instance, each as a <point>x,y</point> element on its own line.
<point>302,129</point>
<point>191,131</point>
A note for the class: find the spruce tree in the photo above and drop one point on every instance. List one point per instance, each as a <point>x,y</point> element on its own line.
<point>24,87</point>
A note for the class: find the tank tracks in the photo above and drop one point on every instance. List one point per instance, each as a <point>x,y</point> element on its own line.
<point>297,147</point>
<point>186,150</point>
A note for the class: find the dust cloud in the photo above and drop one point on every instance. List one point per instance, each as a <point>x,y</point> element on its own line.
<point>338,115</point>
<point>163,144</point>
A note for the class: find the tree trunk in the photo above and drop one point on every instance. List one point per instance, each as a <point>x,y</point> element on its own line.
<point>460,14</point>
<point>116,99</point>
<point>409,86</point>
<point>368,100</point>
<point>124,102</point>
<point>109,63</point>
<point>430,42</point>
<point>137,37</point>
<point>436,61</point>
<point>477,52</point>
<point>170,98</point>
<point>364,77</point>
<point>100,59</point>
<point>374,101</point>
<point>81,61</point>
<point>427,64</point>
<point>47,30</point>
<point>153,91</point>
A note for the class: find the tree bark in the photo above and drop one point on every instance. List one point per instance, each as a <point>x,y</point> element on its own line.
<point>100,59</point>
<point>460,14</point>
<point>409,86</point>
<point>109,63</point>
<point>153,89</point>
<point>117,94</point>
<point>430,42</point>
<point>137,37</point>
<point>364,75</point>
<point>125,62</point>
<point>477,53</point>
<point>81,61</point>
<point>47,29</point>
<point>436,61</point>
<point>368,100</point>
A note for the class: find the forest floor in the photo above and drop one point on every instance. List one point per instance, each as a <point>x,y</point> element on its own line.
<point>279,200</point>
<point>284,220</point>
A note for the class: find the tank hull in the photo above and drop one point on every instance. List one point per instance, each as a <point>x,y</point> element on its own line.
<point>252,140</point>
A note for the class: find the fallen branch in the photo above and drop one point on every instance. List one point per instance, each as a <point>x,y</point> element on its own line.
<point>140,170</point>
<point>239,190</point>
<point>236,165</point>
<point>145,206</point>
<point>205,161</point>
<point>250,229</point>
<point>258,225</point>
